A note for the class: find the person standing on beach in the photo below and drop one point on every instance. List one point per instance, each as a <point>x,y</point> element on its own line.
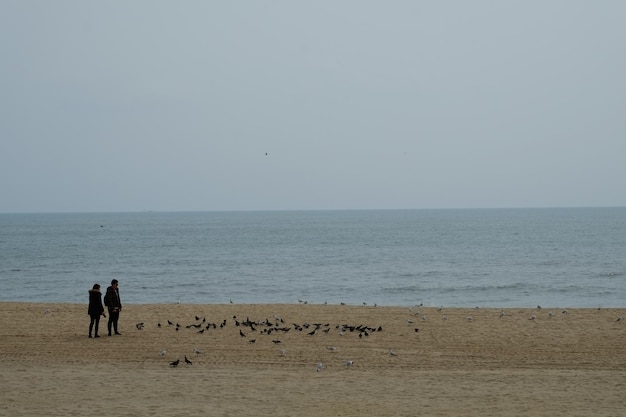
<point>95,309</point>
<point>114,305</point>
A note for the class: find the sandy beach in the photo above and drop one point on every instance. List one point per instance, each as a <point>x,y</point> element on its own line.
<point>262,360</point>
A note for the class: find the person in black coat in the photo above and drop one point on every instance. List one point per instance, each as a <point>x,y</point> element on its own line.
<point>95,309</point>
<point>114,305</point>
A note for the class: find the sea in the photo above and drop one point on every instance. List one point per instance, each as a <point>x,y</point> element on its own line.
<point>553,257</point>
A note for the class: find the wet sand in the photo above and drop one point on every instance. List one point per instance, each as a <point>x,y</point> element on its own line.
<point>405,362</point>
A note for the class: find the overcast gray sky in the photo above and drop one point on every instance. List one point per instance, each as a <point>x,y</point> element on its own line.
<point>262,105</point>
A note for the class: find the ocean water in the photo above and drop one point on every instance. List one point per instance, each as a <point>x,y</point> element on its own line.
<point>566,257</point>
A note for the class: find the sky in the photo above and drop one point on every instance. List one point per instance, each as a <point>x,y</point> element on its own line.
<point>311,105</point>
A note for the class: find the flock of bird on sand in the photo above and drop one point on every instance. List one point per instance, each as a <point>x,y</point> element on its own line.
<point>249,328</point>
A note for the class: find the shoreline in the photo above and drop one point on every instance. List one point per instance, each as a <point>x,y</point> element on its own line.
<point>453,361</point>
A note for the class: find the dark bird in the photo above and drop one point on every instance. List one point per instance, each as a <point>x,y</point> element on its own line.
<point>187,361</point>
<point>175,363</point>
<point>197,318</point>
<point>242,334</point>
<point>170,323</point>
<point>158,324</point>
<point>311,333</point>
<point>139,326</point>
<point>276,341</point>
<point>251,340</point>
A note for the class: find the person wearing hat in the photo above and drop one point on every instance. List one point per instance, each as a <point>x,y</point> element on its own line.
<point>114,305</point>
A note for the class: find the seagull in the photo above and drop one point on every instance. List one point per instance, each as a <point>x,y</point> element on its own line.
<point>175,363</point>
<point>187,361</point>
<point>551,314</point>
<point>332,348</point>
<point>319,367</point>
<point>392,353</point>
<point>349,363</point>
<point>282,352</point>
<point>469,318</point>
<point>197,351</point>
<point>163,352</point>
<point>533,317</point>
<point>620,318</point>
<point>501,313</point>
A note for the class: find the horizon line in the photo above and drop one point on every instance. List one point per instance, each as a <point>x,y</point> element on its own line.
<point>307,210</point>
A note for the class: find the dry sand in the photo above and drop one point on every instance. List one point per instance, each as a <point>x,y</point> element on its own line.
<point>453,362</point>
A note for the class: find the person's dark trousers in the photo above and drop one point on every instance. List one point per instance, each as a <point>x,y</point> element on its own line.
<point>94,324</point>
<point>113,317</point>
